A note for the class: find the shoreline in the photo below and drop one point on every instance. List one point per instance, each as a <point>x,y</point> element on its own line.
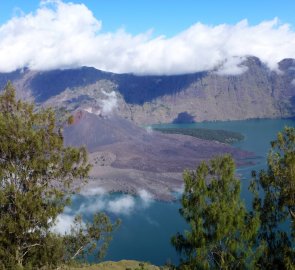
<point>160,186</point>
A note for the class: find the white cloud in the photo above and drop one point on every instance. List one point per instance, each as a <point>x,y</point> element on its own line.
<point>123,205</point>
<point>110,103</point>
<point>93,110</point>
<point>62,35</point>
<point>97,199</point>
<point>232,66</point>
<point>293,82</point>
<point>146,197</point>
<point>93,206</point>
<point>63,224</point>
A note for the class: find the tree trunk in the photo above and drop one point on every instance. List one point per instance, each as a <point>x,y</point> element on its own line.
<point>18,257</point>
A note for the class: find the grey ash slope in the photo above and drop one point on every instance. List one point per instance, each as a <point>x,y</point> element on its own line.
<point>137,148</point>
<point>257,93</point>
<point>128,158</point>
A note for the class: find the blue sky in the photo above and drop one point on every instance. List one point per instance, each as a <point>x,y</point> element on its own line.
<point>114,35</point>
<point>168,17</point>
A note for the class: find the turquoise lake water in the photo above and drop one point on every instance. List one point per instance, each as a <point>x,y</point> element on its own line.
<point>147,226</point>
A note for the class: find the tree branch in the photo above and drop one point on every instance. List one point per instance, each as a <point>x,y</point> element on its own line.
<point>78,252</point>
<point>291,213</point>
<point>28,248</point>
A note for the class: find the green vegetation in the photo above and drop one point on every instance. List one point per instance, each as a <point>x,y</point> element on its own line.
<point>36,173</point>
<point>223,136</point>
<point>277,206</point>
<point>223,233</point>
<point>36,176</point>
<point>120,265</point>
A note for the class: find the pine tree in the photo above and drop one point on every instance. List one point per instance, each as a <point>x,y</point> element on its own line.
<point>275,202</point>
<point>36,173</point>
<point>221,232</point>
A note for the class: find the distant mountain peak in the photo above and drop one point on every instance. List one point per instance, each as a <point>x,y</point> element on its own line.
<point>288,63</point>
<point>254,91</point>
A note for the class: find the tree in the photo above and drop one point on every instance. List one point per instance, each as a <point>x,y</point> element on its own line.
<point>221,232</point>
<point>36,173</point>
<point>82,239</point>
<point>275,202</point>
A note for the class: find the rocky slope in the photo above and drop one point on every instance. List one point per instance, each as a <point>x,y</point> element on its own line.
<point>257,93</point>
<point>130,159</point>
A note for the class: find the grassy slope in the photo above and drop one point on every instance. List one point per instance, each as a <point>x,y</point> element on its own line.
<point>120,265</point>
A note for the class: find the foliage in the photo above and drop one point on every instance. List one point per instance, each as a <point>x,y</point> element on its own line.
<point>275,202</point>
<point>82,240</point>
<point>223,136</point>
<point>222,233</point>
<point>36,173</point>
<point>120,265</point>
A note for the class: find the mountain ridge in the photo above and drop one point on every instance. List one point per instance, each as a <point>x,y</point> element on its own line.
<point>256,93</point>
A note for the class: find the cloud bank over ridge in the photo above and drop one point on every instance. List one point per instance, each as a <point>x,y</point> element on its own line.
<point>67,35</point>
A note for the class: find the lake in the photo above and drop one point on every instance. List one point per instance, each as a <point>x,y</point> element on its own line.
<point>147,225</point>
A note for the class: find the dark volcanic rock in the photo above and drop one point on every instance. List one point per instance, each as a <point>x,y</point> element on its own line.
<point>135,148</point>
<point>127,158</point>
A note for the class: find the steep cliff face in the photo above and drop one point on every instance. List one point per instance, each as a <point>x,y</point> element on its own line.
<point>256,93</point>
